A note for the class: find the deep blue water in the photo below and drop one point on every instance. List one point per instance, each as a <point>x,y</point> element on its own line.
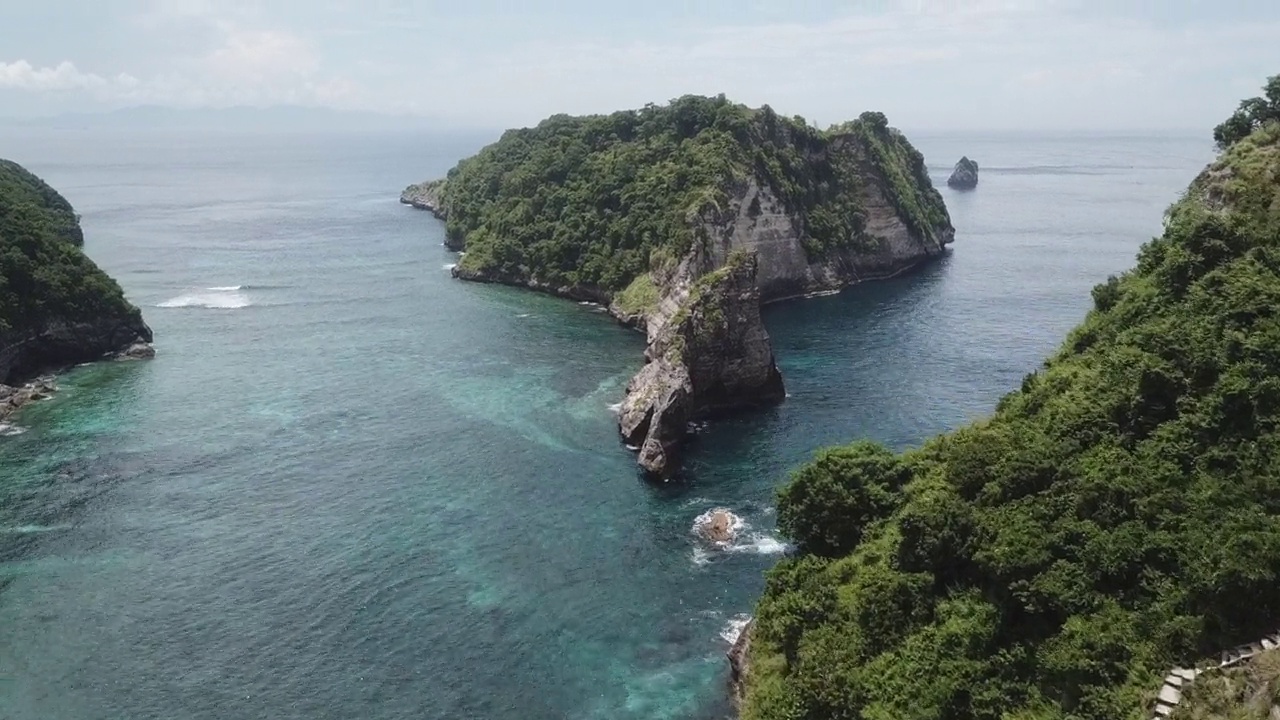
<point>349,486</point>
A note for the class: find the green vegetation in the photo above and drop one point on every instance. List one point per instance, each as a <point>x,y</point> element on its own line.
<point>1119,514</point>
<point>589,201</point>
<point>1247,692</point>
<point>18,186</point>
<point>640,296</point>
<point>1252,114</point>
<point>44,276</point>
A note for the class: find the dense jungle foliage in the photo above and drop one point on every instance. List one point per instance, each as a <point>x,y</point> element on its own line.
<point>588,201</point>
<point>1118,514</point>
<point>43,274</point>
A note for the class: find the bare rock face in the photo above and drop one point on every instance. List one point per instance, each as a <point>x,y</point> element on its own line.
<point>710,355</point>
<point>740,664</point>
<point>965,175</point>
<point>426,196</point>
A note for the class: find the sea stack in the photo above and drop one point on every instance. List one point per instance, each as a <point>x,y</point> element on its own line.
<point>712,356</point>
<point>965,175</point>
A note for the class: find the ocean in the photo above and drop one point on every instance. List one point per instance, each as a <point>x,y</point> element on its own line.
<point>349,486</point>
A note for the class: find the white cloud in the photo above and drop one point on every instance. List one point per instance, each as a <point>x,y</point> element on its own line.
<point>22,75</point>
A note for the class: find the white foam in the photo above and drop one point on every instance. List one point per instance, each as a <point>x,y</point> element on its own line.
<point>633,448</point>
<point>701,556</point>
<point>7,430</point>
<point>615,407</point>
<point>733,629</point>
<point>525,315</point>
<point>221,298</point>
<point>226,288</point>
<point>760,544</point>
<point>31,529</point>
<point>450,266</point>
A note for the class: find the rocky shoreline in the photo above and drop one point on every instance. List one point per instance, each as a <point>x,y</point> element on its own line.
<point>42,387</point>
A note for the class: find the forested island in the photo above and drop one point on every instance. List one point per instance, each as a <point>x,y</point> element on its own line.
<point>57,308</point>
<point>682,219</point>
<point>1117,516</point>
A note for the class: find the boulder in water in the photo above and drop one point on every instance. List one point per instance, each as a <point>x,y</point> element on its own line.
<point>718,525</point>
<point>965,176</point>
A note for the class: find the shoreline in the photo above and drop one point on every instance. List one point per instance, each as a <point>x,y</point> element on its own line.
<point>44,385</point>
<point>15,397</point>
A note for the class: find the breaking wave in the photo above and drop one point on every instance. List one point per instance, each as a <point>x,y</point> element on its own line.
<point>733,629</point>
<point>226,297</point>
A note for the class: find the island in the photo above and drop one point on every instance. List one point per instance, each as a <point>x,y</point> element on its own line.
<point>1106,541</point>
<point>965,175</point>
<point>682,219</point>
<point>57,308</point>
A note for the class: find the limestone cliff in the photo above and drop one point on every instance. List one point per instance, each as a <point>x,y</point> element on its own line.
<point>426,196</point>
<point>711,356</point>
<point>740,665</point>
<point>58,309</point>
<point>631,209</point>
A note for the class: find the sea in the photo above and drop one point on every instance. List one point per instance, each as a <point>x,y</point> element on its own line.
<point>350,486</point>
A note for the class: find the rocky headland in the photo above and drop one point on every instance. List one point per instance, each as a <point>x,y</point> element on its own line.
<point>1087,550</point>
<point>60,309</point>
<point>425,196</point>
<point>965,175</point>
<point>682,220</point>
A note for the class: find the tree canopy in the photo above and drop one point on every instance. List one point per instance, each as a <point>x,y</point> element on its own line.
<point>44,276</point>
<point>1117,515</point>
<point>589,201</point>
<point>1252,114</point>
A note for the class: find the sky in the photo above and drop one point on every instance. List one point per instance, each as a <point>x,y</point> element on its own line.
<point>930,64</point>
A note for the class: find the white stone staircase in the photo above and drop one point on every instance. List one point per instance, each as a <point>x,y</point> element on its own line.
<point>1179,679</point>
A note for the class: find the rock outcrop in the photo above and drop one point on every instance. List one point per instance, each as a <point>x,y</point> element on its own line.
<point>965,175</point>
<point>711,356</point>
<point>426,196</point>
<point>61,309</point>
<point>740,665</point>
<point>719,526</point>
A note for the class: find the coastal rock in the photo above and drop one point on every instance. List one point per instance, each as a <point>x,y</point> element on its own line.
<point>12,398</point>
<point>710,356</point>
<point>740,665</point>
<point>137,351</point>
<point>965,175</point>
<point>719,526</point>
<point>426,196</point>
<point>61,344</point>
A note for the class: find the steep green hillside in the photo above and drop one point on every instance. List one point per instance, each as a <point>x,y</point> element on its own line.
<point>56,306</point>
<point>1117,515</point>
<point>596,201</point>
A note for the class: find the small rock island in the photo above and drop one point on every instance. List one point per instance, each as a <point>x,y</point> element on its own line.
<point>58,309</point>
<point>965,175</point>
<point>682,219</point>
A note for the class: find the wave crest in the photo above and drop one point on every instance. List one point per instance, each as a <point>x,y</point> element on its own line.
<point>227,297</point>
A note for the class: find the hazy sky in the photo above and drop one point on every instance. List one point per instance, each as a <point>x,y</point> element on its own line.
<point>970,64</point>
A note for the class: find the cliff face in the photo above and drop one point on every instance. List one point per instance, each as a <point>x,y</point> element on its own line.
<point>426,196</point>
<point>711,356</point>
<point>630,210</point>
<point>58,308</point>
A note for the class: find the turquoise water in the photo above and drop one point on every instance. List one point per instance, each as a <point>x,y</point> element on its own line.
<point>349,486</point>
